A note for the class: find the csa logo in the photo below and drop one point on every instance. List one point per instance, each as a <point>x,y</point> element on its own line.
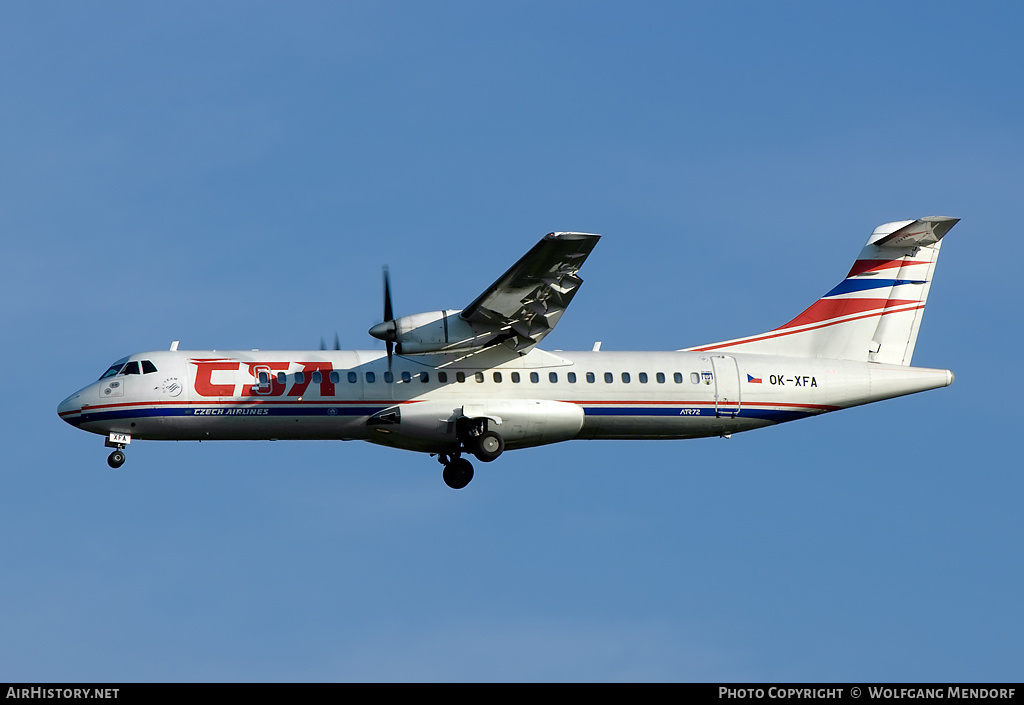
<point>171,387</point>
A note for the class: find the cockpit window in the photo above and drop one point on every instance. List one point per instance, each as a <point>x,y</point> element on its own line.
<point>148,367</point>
<point>115,368</point>
<point>132,368</point>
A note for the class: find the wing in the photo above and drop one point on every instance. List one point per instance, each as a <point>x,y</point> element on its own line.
<point>526,302</point>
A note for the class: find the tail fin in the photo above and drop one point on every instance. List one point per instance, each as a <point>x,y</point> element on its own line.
<point>872,315</point>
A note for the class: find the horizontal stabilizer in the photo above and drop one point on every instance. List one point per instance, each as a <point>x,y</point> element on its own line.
<point>914,233</point>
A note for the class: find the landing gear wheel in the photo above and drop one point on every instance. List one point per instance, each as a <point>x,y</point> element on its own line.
<point>488,446</point>
<point>458,473</point>
<point>115,459</point>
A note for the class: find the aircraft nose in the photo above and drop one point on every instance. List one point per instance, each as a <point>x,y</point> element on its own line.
<point>70,407</point>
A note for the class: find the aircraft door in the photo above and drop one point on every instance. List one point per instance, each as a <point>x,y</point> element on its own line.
<point>727,386</point>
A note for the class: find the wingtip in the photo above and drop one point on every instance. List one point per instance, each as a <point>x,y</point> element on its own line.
<point>571,236</point>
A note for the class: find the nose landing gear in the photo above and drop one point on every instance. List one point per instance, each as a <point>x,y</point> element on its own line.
<point>117,441</point>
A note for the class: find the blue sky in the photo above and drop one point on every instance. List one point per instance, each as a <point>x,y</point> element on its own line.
<point>234,175</point>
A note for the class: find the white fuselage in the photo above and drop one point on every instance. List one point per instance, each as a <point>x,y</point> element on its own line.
<point>534,399</point>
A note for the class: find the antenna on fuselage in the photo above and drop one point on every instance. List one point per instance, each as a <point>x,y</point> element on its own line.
<point>174,346</point>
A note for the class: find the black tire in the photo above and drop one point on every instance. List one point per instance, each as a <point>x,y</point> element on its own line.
<point>115,459</point>
<point>458,473</point>
<point>488,446</point>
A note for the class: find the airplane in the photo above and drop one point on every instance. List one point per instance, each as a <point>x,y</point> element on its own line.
<point>472,382</point>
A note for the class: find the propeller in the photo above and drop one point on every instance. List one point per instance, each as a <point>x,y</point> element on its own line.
<point>388,330</point>
<point>337,342</point>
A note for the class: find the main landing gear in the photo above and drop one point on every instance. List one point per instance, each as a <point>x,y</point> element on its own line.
<point>457,471</point>
<point>476,438</point>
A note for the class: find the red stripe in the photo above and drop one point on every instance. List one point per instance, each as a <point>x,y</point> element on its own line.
<point>773,334</point>
<point>877,265</point>
<point>823,407</point>
<point>824,309</point>
<point>236,402</point>
<point>745,404</point>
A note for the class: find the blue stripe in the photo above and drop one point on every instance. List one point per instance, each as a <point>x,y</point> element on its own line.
<point>645,411</point>
<point>776,415</point>
<point>229,412</point>
<point>848,286</point>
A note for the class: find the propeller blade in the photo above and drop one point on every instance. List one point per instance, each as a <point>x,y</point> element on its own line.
<point>388,313</point>
<point>387,330</point>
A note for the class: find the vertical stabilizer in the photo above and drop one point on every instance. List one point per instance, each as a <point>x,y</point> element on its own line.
<point>874,314</point>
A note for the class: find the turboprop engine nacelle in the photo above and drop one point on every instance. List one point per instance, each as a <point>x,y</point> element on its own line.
<point>433,332</point>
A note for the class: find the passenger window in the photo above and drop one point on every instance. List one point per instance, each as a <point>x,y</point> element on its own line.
<point>148,367</point>
<point>442,377</point>
<point>264,379</point>
<point>590,378</point>
<point>300,378</point>
<point>334,377</point>
<point>625,377</point>
<point>282,378</point>
<point>424,377</point>
<point>460,377</point>
<point>352,377</point>
<point>497,377</point>
<point>388,377</point>
<point>608,377</point>
<point>371,378</point>
<point>677,378</point>
<point>660,377</point>
<point>317,377</point>
<point>552,377</point>
<point>406,377</point>
<point>515,377</point>
<point>479,376</point>
<point>695,378</point>
<point>571,376</point>
<point>642,378</point>
<point>534,377</point>
<point>132,368</point>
